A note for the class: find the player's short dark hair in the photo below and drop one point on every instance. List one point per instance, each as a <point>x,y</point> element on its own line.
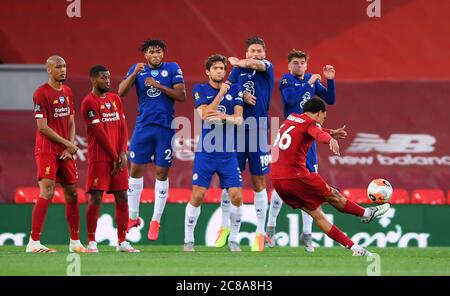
<point>314,105</point>
<point>255,40</point>
<point>297,54</point>
<point>152,43</point>
<point>97,69</point>
<point>215,58</point>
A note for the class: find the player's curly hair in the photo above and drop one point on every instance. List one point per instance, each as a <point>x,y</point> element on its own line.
<point>215,58</point>
<point>95,70</point>
<point>315,105</point>
<point>152,43</point>
<point>255,40</point>
<point>295,53</point>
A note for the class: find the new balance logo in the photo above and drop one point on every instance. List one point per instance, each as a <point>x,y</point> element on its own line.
<point>397,143</point>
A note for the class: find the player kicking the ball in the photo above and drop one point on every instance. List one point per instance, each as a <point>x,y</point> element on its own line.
<point>299,188</point>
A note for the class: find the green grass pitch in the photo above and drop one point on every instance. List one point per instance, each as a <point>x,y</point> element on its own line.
<point>171,260</point>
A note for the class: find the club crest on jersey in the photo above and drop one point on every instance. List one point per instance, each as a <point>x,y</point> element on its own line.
<point>164,73</point>
<point>108,105</point>
<point>61,99</point>
<point>228,97</point>
<point>154,73</point>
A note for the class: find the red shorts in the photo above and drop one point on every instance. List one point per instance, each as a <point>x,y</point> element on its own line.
<point>99,178</point>
<point>307,191</point>
<point>49,166</point>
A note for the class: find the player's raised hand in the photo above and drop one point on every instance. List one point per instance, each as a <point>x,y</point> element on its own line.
<point>249,98</point>
<point>334,146</point>
<point>150,81</point>
<point>233,61</point>
<point>329,72</point>
<point>339,133</point>
<point>71,148</point>
<point>224,87</point>
<point>139,68</point>
<point>123,160</point>
<point>313,78</point>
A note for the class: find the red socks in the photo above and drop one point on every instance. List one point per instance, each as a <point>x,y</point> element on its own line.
<point>73,218</point>
<point>337,235</point>
<point>91,220</point>
<point>122,221</point>
<point>353,208</point>
<point>38,217</point>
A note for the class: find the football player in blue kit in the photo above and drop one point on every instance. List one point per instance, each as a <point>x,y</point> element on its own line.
<point>220,108</point>
<point>158,85</point>
<point>255,77</point>
<point>297,87</point>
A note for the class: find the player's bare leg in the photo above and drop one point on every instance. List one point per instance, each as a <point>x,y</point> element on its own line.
<point>46,192</point>
<point>161,193</point>
<point>135,185</point>
<point>335,233</point>
<point>261,201</point>
<point>224,230</point>
<point>342,204</point>
<point>73,217</point>
<point>193,209</point>
<point>122,222</point>
<point>92,211</point>
<point>235,194</point>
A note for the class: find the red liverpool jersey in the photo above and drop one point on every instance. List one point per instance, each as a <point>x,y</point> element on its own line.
<point>294,138</point>
<point>108,113</point>
<point>56,106</point>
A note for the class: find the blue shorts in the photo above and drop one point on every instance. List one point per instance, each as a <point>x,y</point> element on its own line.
<point>226,168</point>
<point>152,143</point>
<point>255,149</point>
<point>311,158</point>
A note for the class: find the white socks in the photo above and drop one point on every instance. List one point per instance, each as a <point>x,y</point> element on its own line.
<point>367,213</point>
<point>236,217</point>
<point>225,207</point>
<point>190,220</point>
<point>261,201</point>
<point>275,206</point>
<point>307,223</point>
<point>161,193</point>
<point>136,186</point>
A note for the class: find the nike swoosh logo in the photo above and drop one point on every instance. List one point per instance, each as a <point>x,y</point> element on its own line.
<point>209,97</point>
<point>297,84</point>
<point>142,73</point>
<point>243,74</point>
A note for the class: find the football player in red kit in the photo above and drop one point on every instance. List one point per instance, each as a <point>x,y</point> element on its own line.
<point>54,150</point>
<point>301,189</point>
<point>107,156</point>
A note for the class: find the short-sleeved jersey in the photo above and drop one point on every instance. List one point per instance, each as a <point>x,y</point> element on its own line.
<point>107,112</point>
<point>295,92</point>
<point>217,139</point>
<point>293,141</point>
<point>154,106</point>
<point>258,83</point>
<point>56,106</point>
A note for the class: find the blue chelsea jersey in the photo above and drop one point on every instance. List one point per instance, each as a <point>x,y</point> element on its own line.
<point>217,139</point>
<point>258,83</point>
<point>295,92</point>
<point>155,107</point>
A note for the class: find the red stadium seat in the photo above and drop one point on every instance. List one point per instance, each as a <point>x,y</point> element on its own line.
<point>358,195</point>
<point>30,194</point>
<point>428,196</point>
<point>448,197</point>
<point>400,196</point>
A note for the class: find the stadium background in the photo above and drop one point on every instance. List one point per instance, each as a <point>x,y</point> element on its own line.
<point>391,73</point>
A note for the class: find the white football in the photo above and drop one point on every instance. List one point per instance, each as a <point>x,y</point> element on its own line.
<point>379,191</point>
